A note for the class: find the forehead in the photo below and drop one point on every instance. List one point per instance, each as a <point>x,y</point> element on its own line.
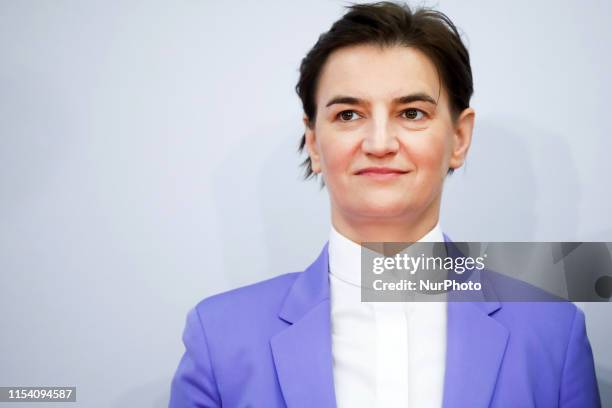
<point>374,73</point>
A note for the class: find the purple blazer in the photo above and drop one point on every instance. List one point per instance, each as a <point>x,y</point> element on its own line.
<point>269,345</point>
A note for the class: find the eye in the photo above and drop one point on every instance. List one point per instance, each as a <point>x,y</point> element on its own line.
<point>347,115</point>
<point>413,114</point>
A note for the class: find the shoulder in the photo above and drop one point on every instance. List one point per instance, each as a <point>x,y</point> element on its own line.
<point>549,340</point>
<point>530,309</point>
<point>548,320</point>
<point>256,303</point>
<point>540,325</point>
<point>259,295</point>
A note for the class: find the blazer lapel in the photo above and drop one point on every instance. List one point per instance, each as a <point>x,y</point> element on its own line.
<point>476,344</point>
<point>302,352</point>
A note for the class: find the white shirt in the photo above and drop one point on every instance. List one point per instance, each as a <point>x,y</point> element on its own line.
<point>385,354</point>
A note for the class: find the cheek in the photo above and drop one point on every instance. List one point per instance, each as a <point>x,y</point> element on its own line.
<point>336,156</point>
<point>430,152</point>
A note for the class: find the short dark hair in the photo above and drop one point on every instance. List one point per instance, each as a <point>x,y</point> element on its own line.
<point>386,24</point>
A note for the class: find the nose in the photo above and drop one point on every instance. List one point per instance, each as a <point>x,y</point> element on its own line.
<point>380,138</point>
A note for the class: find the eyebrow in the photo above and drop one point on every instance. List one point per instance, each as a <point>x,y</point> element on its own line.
<point>350,100</point>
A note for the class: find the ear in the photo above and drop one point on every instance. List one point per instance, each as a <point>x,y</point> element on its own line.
<point>462,138</point>
<point>311,145</point>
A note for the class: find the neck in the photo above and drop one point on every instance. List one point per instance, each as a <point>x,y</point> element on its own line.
<point>407,228</point>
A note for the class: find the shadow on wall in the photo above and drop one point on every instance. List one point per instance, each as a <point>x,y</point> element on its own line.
<point>295,211</point>
<point>272,222</point>
<point>604,379</point>
<point>519,183</point>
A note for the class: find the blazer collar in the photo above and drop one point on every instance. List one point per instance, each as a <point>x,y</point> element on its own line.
<point>476,343</point>
<point>310,288</point>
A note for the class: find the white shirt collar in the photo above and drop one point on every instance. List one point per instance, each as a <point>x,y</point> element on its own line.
<point>345,255</point>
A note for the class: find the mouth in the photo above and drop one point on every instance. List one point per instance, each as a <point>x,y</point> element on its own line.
<point>381,173</point>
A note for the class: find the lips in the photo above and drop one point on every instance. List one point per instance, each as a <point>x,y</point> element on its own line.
<point>380,171</point>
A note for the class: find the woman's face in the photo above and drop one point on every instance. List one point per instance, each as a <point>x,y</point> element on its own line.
<point>383,137</point>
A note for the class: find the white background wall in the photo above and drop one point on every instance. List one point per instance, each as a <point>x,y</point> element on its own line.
<point>148,160</point>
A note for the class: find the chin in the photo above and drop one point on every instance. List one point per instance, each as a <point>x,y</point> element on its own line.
<point>385,208</point>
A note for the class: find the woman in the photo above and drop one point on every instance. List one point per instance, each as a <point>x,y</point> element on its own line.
<point>386,98</point>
